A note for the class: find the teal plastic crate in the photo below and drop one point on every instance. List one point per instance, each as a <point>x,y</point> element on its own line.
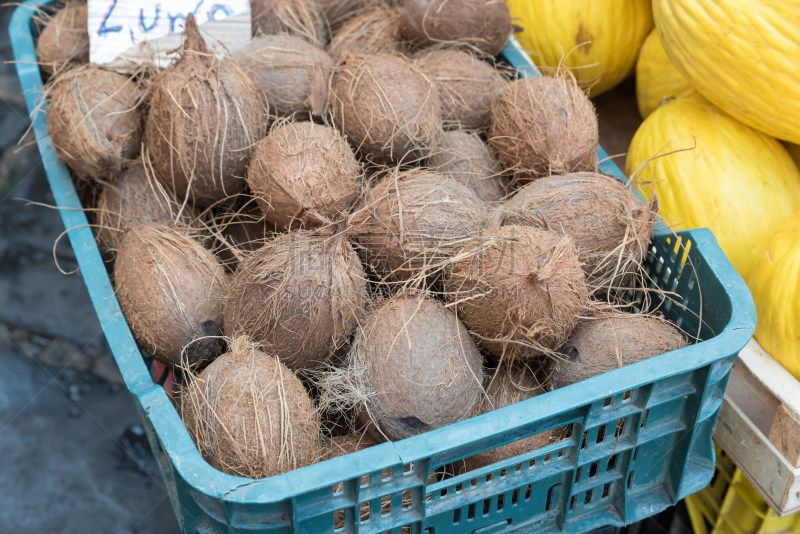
<point>640,436</point>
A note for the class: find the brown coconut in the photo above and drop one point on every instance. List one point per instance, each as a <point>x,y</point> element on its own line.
<point>467,86</point>
<point>171,290</point>
<point>302,18</point>
<point>304,175</point>
<point>387,108</point>
<point>292,72</point>
<point>337,12</point>
<point>602,345</point>
<point>95,121</point>
<point>300,296</point>
<point>609,226</point>
<point>440,377</point>
<point>135,198</point>
<point>376,31</point>
<point>205,116</point>
<point>466,159</point>
<point>250,416</point>
<point>348,444</point>
<point>410,222</point>
<point>519,289</point>
<point>64,40</point>
<point>480,24</point>
<point>542,126</point>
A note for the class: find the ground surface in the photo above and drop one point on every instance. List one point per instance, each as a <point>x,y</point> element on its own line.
<point>73,459</point>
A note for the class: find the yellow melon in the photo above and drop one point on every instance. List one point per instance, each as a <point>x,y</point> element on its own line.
<point>657,78</point>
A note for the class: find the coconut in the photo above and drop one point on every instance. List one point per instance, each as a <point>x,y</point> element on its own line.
<point>338,12</point>
<point>292,72</point>
<point>205,116</point>
<point>95,121</point>
<point>171,290</point>
<point>300,296</point>
<point>303,175</point>
<point>347,444</point>
<point>64,40</point>
<point>386,107</point>
<point>437,383</point>
<point>480,24</point>
<point>376,31</point>
<point>467,160</point>
<point>467,86</point>
<point>542,126</point>
<point>602,345</point>
<point>303,18</point>
<point>411,221</point>
<point>609,226</point>
<point>519,289</point>
<point>250,416</point>
<point>135,198</point>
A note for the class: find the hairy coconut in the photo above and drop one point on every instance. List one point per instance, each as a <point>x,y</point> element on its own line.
<point>519,289</point>
<point>135,198</point>
<point>542,126</point>
<point>440,377</point>
<point>205,116</point>
<point>387,108</point>
<point>292,72</point>
<point>481,24</point>
<point>411,221</point>
<point>467,86</point>
<point>64,40</point>
<point>300,296</point>
<point>609,226</point>
<point>338,12</point>
<point>376,31</point>
<point>303,18</point>
<point>304,175</point>
<point>602,345</point>
<point>95,120</point>
<point>348,444</point>
<point>250,416</point>
<point>171,290</point>
<point>467,160</point>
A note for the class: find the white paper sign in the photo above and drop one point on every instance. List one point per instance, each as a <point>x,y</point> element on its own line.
<point>138,31</point>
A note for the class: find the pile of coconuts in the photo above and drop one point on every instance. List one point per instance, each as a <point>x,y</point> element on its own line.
<point>356,229</point>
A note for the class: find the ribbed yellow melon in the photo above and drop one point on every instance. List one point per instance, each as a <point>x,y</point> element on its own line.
<point>598,39</point>
<point>742,55</point>
<point>737,181</point>
<point>657,77</point>
<point>775,285</point>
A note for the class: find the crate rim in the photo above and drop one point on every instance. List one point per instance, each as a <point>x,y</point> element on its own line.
<point>176,441</point>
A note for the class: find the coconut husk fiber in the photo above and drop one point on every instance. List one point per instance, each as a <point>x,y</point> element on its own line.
<point>376,31</point>
<point>412,368</point>
<point>602,345</point>
<point>171,290</point>
<point>304,175</point>
<point>465,158</point>
<point>609,226</point>
<point>300,296</point>
<point>250,416</point>
<point>479,24</point>
<point>292,72</point>
<point>410,222</point>
<point>467,86</point>
<point>542,126</point>
<point>301,18</point>
<point>347,444</point>
<point>239,230</point>
<point>95,121</point>
<point>64,41</point>
<point>135,198</point>
<point>205,116</point>
<point>387,108</point>
<point>519,289</point>
<point>338,12</point>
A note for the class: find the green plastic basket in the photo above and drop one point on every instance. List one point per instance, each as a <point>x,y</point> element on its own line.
<point>640,436</point>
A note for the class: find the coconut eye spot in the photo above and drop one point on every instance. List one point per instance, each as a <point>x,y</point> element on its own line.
<point>573,354</point>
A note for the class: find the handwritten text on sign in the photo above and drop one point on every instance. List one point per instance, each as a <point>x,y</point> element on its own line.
<point>117,26</point>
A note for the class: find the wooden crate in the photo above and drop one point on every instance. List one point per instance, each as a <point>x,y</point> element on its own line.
<point>759,427</point>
